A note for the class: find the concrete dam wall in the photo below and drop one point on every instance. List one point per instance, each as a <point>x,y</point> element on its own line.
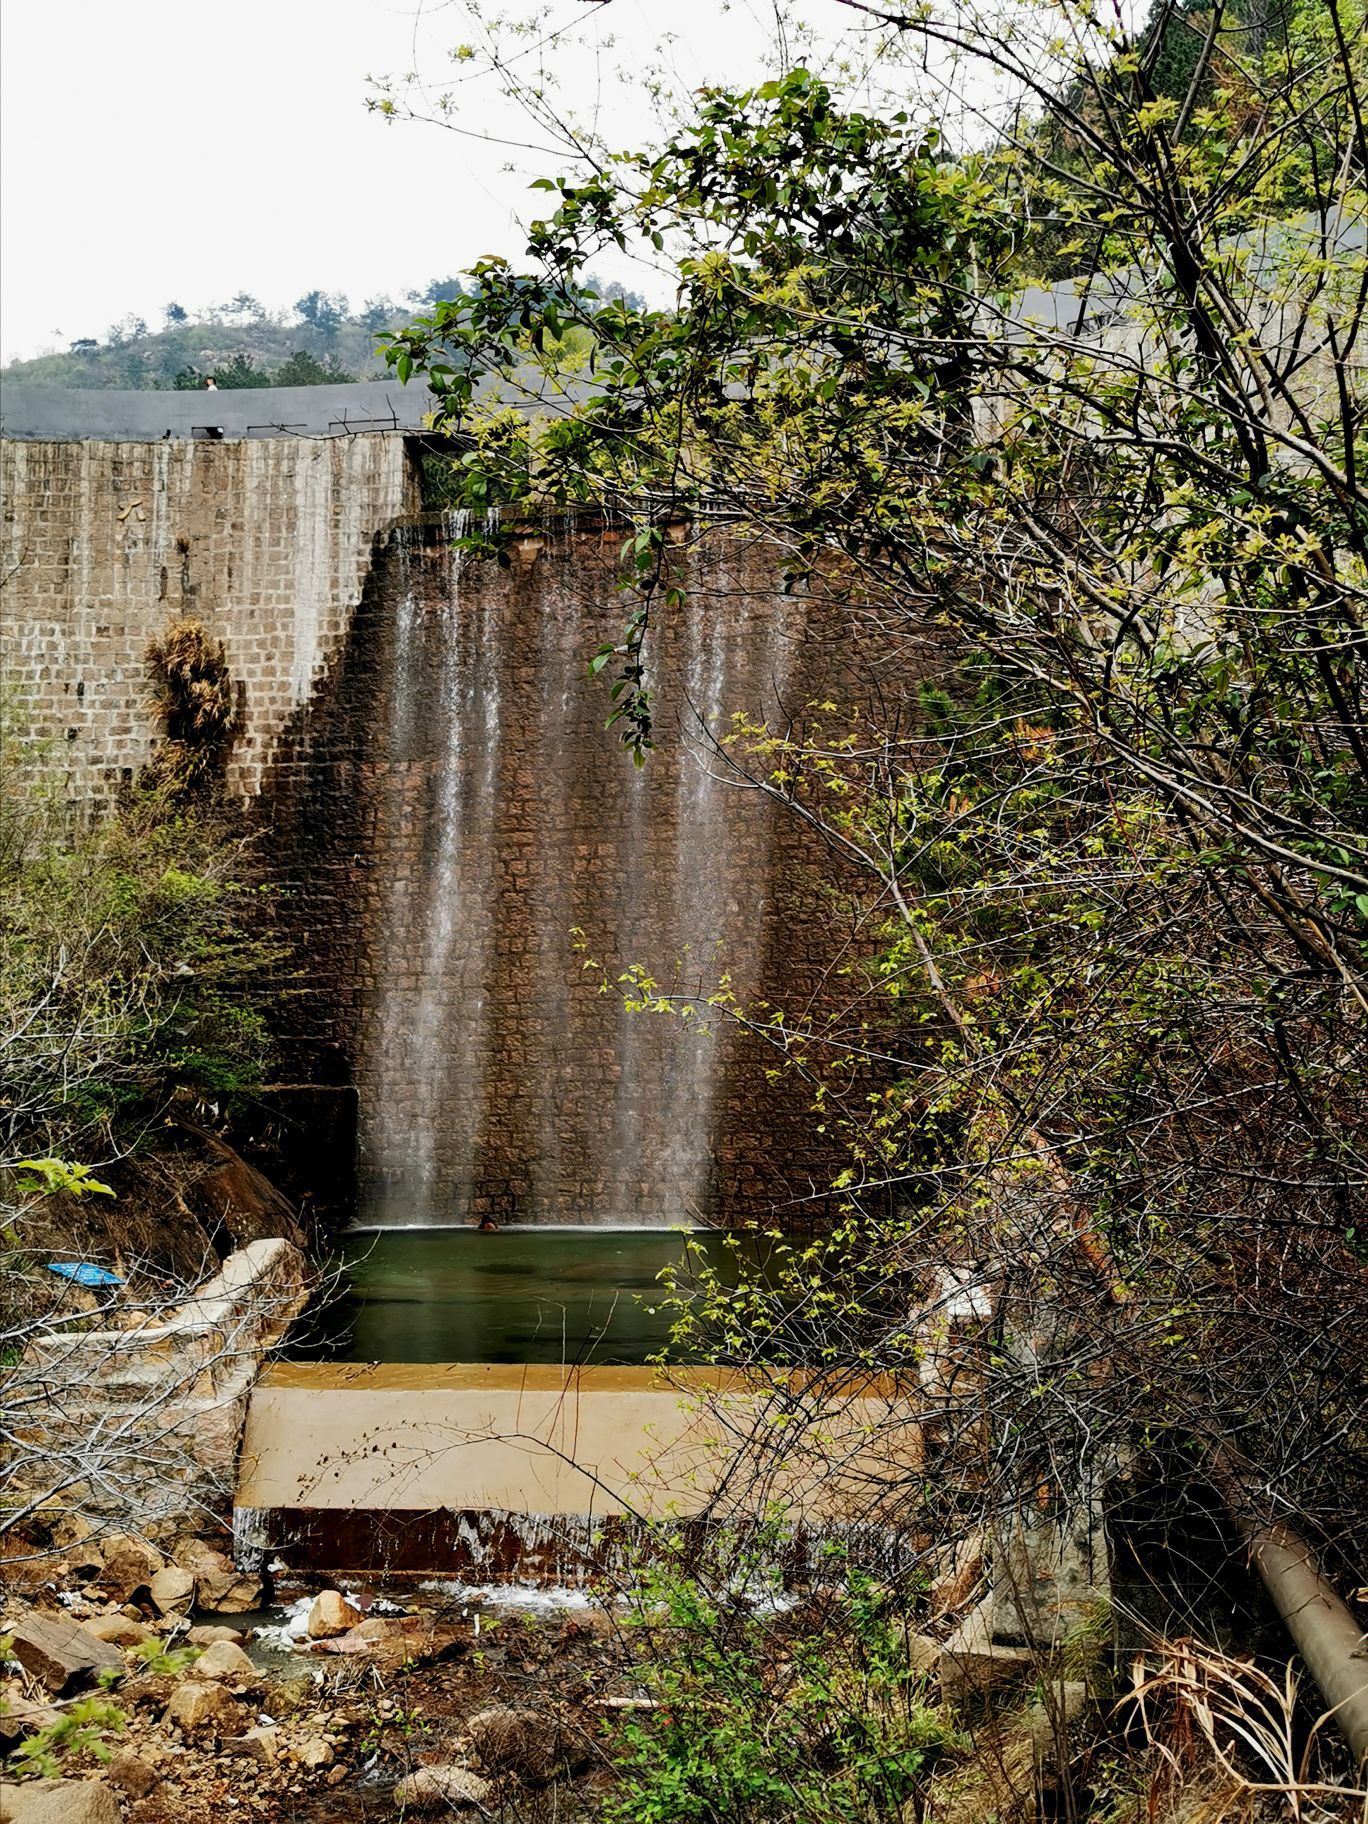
<point>470,860</point>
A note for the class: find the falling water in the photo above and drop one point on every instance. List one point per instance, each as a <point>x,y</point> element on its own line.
<point>428,1033</point>
<point>497,1068</point>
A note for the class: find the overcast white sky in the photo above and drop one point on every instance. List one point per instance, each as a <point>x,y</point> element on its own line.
<point>163,149</point>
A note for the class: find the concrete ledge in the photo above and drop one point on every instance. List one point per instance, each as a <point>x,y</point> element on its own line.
<point>107,414</point>
<point>247,1306</point>
<point>446,1459</point>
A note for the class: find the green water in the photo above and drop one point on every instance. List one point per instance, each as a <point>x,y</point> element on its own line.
<point>521,1295</point>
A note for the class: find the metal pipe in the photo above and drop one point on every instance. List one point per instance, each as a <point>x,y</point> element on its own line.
<point>1324,1631</point>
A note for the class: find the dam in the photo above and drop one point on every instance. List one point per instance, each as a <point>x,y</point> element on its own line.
<point>530,983</point>
<point>474,877</point>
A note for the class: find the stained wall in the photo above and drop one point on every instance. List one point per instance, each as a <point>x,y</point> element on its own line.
<point>482,869</point>
<point>469,863</point>
<point>266,542</point>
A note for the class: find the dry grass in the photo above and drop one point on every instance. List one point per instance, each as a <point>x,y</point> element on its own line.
<point>197,701</point>
<point>1230,1741</point>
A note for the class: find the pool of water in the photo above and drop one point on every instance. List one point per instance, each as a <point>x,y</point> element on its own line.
<point>520,1295</point>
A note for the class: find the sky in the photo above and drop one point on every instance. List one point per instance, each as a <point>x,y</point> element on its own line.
<point>160,150</point>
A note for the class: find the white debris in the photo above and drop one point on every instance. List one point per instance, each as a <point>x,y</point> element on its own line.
<point>536,1599</point>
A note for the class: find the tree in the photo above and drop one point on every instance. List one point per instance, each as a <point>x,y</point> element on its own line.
<point>244,305</point>
<point>304,369</point>
<point>175,314</point>
<point>439,291</point>
<point>1122,850</point>
<point>239,372</point>
<point>376,313</point>
<point>127,329</point>
<point>323,311</point>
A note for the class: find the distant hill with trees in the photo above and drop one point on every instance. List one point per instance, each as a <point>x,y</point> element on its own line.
<point>241,343</point>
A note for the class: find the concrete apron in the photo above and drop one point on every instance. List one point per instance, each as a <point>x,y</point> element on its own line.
<point>549,1474</point>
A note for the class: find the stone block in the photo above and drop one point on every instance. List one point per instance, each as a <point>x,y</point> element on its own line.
<point>60,1653</point>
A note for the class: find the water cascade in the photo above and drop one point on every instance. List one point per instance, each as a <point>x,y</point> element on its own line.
<point>491,817</point>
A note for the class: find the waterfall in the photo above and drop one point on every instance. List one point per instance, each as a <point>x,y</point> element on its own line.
<point>497,1069</point>
<point>427,1034</point>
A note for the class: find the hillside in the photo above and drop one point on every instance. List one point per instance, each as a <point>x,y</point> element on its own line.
<point>132,355</point>
<point>240,344</point>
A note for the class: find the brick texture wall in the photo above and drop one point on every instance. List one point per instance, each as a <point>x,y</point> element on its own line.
<point>266,542</point>
<point>446,810</point>
<point>458,811</point>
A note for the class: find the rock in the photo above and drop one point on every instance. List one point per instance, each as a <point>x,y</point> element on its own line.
<point>75,1538</point>
<point>442,1789</point>
<point>202,1708</point>
<point>331,1614</point>
<point>172,1590</point>
<point>129,1566</point>
<point>952,1591</point>
<point>64,1656</point>
<point>223,1659</point>
<point>514,1739</point>
<point>262,1744</point>
<point>291,1696</point>
<point>1047,1724</point>
<point>119,1631</point>
<point>313,1753</point>
<point>218,1582</point>
<point>71,1533</point>
<point>923,1653</point>
<point>132,1775</point>
<point>20,1718</point>
<point>207,1637</point>
<point>59,1802</point>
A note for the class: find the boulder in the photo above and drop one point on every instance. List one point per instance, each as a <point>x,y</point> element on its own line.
<point>206,1636</point>
<point>129,1565</point>
<point>331,1614</point>
<point>511,1738</point>
<point>200,1707</point>
<point>64,1656</point>
<point>442,1789</point>
<point>131,1775</point>
<point>172,1591</point>
<point>119,1631</point>
<point>224,1660</point>
<point>58,1802</point>
<point>218,1582</point>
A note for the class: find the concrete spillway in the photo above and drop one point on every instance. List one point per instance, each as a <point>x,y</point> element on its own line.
<point>473,1469</point>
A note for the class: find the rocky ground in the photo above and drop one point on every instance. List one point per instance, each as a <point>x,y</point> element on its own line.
<point>127,1704</point>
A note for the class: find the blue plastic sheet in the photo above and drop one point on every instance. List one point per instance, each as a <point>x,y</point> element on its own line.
<point>83,1273</point>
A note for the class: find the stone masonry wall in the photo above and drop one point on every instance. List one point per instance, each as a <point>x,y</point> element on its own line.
<point>266,542</point>
<point>476,863</point>
<point>446,811</point>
